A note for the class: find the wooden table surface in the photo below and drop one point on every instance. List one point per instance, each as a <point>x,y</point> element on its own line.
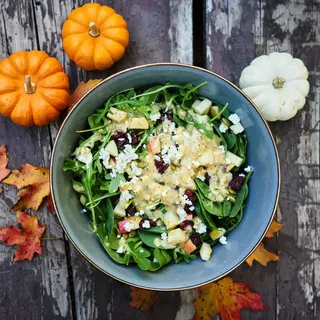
<point>220,35</point>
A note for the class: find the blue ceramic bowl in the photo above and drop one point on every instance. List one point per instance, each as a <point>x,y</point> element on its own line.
<point>263,186</point>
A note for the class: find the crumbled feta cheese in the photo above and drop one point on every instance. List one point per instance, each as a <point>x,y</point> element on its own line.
<point>164,236</point>
<point>191,208</point>
<point>222,148</point>
<point>121,139</point>
<point>126,195</point>
<point>118,236</point>
<point>186,200</point>
<point>121,249</point>
<point>136,170</point>
<point>248,169</point>
<point>124,158</point>
<point>200,227</point>
<point>171,154</point>
<point>146,224</point>
<point>202,178</point>
<point>182,214</point>
<point>223,240</point>
<point>139,213</point>
<point>128,226</point>
<point>144,146</point>
<point>242,175</point>
<point>105,157</point>
<point>113,173</point>
<point>155,116</point>
<point>234,118</point>
<point>157,158</point>
<point>155,260</point>
<point>84,155</point>
<point>172,127</point>
<point>223,128</point>
<point>128,135</point>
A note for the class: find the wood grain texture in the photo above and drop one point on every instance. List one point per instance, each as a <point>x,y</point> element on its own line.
<point>37,290</point>
<point>96,295</point>
<point>237,31</point>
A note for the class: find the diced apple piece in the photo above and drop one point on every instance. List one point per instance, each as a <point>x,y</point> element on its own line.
<point>128,225</point>
<point>232,158</point>
<point>216,140</point>
<point>119,211</point>
<point>203,107</point>
<point>205,251</point>
<point>177,236</point>
<point>189,247</point>
<point>237,128</point>
<point>112,148</point>
<point>138,123</point>
<point>229,167</point>
<point>181,113</point>
<point>206,158</point>
<point>191,185</point>
<point>154,145</point>
<point>117,115</point>
<point>217,233</point>
<point>219,156</point>
<point>214,111</point>
<point>171,219</point>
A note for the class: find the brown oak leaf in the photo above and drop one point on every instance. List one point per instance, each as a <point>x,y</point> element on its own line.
<point>4,171</point>
<point>143,299</point>
<point>80,91</point>
<point>35,184</point>
<point>226,298</point>
<point>27,238</point>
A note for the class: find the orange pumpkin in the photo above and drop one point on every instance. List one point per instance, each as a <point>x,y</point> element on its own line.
<point>95,36</point>
<point>33,88</point>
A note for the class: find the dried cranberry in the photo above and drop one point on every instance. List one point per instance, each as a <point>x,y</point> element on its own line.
<point>118,134</point>
<point>131,210</point>
<point>207,178</point>
<point>236,183</point>
<point>121,142</point>
<point>195,238</point>
<point>161,166</point>
<point>187,209</point>
<point>191,195</point>
<point>143,220</point>
<point>186,223</point>
<point>169,117</point>
<point>134,137</point>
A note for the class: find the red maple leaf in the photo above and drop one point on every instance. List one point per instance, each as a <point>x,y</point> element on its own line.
<point>27,238</point>
<point>226,298</point>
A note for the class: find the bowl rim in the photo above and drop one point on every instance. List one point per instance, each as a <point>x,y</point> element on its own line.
<point>177,65</point>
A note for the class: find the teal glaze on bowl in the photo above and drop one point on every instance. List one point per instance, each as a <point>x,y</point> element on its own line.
<point>263,186</point>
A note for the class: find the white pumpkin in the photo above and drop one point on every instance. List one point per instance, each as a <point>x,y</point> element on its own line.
<point>278,85</point>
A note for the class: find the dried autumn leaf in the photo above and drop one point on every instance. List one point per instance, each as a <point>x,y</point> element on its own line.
<point>80,91</point>
<point>143,299</point>
<point>35,184</point>
<point>226,298</point>
<point>262,256</point>
<point>50,204</point>
<point>27,238</point>
<point>3,162</point>
<point>275,227</point>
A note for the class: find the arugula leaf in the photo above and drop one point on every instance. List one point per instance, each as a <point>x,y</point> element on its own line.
<point>110,219</point>
<point>140,255</point>
<point>115,183</point>
<point>73,165</point>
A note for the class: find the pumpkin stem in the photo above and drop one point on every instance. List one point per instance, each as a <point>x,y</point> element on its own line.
<point>29,87</point>
<point>278,83</point>
<point>94,31</point>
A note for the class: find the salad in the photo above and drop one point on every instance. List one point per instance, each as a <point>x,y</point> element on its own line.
<point>162,174</point>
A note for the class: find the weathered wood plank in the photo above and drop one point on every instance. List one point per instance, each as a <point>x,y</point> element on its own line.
<point>96,295</point>
<point>293,27</point>
<point>232,28</point>
<point>237,32</point>
<point>37,290</point>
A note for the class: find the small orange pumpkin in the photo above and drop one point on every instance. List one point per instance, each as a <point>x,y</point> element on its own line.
<point>33,88</point>
<point>95,36</point>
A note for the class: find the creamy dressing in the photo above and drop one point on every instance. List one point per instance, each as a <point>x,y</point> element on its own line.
<point>169,187</point>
